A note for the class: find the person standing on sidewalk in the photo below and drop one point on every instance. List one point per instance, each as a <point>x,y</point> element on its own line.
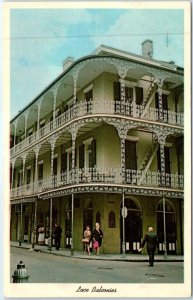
<point>152,242</point>
<point>97,236</point>
<point>57,235</point>
<point>86,239</point>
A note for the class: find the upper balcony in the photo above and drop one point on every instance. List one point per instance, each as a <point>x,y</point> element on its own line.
<point>102,107</point>
<point>94,176</point>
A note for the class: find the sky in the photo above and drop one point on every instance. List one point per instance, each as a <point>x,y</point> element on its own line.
<point>41,39</point>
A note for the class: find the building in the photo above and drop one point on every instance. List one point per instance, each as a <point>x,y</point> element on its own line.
<point>103,142</point>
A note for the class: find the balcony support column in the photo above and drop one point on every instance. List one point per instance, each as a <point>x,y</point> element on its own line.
<point>54,92</point>
<point>14,141</point>
<point>35,224</point>
<point>52,143</point>
<point>12,171</point>
<point>74,131</point>
<point>161,140</point>
<point>122,91</point>
<point>75,78</point>
<point>36,149</point>
<point>38,120</point>
<point>24,160</point>
<point>50,238</point>
<point>164,222</point>
<point>159,82</point>
<point>26,118</point>
<point>122,129</point>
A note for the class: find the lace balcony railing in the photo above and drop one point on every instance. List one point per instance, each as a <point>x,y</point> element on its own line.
<point>102,107</point>
<point>96,176</point>
<point>153,179</point>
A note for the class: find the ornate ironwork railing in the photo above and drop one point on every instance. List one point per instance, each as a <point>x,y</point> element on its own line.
<point>102,107</point>
<point>98,175</point>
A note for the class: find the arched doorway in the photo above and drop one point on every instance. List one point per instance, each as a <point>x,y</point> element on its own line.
<point>132,226</point>
<point>68,223</point>
<point>170,217</point>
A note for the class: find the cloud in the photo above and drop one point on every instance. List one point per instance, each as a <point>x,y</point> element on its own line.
<point>132,27</point>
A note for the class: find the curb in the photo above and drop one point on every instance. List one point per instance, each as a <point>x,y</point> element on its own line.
<point>98,258</point>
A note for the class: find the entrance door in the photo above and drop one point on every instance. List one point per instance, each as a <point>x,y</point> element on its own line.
<point>170,227</point>
<point>132,227</point>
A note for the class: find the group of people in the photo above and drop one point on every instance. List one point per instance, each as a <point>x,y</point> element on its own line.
<point>94,237</point>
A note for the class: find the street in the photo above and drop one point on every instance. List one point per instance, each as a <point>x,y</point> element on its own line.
<point>47,268</point>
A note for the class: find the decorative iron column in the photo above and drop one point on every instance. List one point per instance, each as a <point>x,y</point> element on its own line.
<point>26,117</point>
<point>12,171</point>
<point>123,223</point>
<point>35,224</point>
<point>161,140</point>
<point>164,222</point>
<point>159,82</point>
<point>36,149</point>
<point>54,92</point>
<point>74,131</point>
<point>38,119</point>
<point>14,141</point>
<point>50,238</point>
<point>23,176</point>
<point>75,78</point>
<point>21,226</point>
<point>52,143</point>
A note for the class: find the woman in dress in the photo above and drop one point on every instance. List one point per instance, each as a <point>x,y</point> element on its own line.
<point>97,236</point>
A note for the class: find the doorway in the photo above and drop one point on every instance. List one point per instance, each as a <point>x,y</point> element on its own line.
<point>171,235</point>
<point>132,227</point>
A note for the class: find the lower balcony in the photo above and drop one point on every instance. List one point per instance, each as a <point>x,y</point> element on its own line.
<point>103,176</point>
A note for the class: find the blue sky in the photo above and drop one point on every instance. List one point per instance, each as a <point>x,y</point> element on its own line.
<point>42,38</point>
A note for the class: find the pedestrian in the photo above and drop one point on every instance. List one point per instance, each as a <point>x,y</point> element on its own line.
<point>57,235</point>
<point>152,242</point>
<point>86,239</point>
<point>97,236</point>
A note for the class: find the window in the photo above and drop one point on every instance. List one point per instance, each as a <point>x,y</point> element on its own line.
<point>139,95</point>
<point>40,171</point>
<point>111,220</point>
<point>28,179</point>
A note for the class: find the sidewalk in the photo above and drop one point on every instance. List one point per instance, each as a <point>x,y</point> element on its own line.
<point>110,257</point>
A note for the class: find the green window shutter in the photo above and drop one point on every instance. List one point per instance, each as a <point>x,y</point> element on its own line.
<point>63,162</point>
<point>81,156</point>
<point>117,91</point>
<point>93,154</point>
<point>130,155</point>
<point>139,95</point>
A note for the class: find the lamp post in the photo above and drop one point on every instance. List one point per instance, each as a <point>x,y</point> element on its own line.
<point>123,223</point>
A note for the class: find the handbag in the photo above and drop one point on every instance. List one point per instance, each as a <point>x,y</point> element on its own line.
<point>95,244</point>
<point>85,240</point>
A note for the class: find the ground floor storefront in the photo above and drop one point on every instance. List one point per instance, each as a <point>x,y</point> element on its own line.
<point>123,219</point>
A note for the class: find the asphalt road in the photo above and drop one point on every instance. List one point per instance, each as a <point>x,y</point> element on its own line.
<point>47,268</point>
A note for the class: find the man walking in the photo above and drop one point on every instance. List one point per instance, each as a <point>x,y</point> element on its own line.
<point>57,235</point>
<point>152,242</point>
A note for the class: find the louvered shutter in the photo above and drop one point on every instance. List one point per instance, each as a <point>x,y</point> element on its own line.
<point>117,92</point>
<point>93,154</point>
<point>139,95</point>
<point>81,156</point>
